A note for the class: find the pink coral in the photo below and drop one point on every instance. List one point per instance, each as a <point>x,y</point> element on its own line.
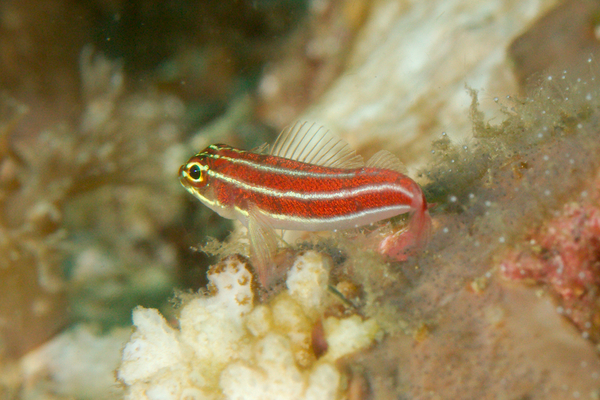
<point>565,255</point>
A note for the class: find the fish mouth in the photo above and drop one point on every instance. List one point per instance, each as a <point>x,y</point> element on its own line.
<point>183,177</point>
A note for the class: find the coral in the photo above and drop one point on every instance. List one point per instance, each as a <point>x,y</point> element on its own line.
<point>564,254</point>
<point>311,59</point>
<point>523,178</point>
<point>459,330</point>
<point>455,330</point>
<point>54,183</point>
<point>401,92</point>
<point>227,346</point>
<point>87,151</point>
<point>32,293</point>
<point>65,364</point>
<point>117,159</point>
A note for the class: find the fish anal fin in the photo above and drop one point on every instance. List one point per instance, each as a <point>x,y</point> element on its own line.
<point>385,160</point>
<point>263,245</point>
<point>313,144</point>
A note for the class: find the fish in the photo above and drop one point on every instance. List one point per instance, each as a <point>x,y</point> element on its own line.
<point>309,180</point>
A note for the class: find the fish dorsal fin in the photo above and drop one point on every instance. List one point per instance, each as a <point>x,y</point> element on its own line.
<point>314,144</point>
<point>262,149</point>
<point>385,160</point>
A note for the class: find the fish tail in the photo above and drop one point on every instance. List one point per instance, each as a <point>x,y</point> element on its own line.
<point>400,245</point>
<point>420,223</point>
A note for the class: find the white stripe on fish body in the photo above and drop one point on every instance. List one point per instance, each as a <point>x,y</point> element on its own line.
<point>281,170</point>
<point>361,218</point>
<point>290,194</point>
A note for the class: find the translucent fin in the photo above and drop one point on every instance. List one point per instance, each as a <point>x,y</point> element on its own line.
<point>262,149</point>
<point>407,242</point>
<point>263,245</point>
<point>385,160</point>
<point>315,145</point>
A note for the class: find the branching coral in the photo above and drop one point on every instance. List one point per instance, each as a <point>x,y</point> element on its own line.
<point>228,347</point>
<point>32,299</point>
<point>119,142</point>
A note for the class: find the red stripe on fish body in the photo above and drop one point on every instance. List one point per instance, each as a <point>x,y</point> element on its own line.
<point>297,195</point>
<point>309,181</point>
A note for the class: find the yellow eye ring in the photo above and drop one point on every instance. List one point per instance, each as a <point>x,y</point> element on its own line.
<point>195,172</point>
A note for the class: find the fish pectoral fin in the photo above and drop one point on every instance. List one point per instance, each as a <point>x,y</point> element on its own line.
<point>313,144</point>
<point>385,160</point>
<point>263,244</point>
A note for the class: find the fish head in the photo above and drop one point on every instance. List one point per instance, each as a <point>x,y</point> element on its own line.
<point>194,176</point>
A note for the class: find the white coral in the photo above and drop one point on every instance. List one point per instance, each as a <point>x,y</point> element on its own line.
<point>227,348</point>
<point>307,281</point>
<point>153,347</point>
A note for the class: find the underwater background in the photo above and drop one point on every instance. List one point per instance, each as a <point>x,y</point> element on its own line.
<point>493,107</point>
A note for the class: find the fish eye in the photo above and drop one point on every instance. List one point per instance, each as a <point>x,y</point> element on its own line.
<point>195,172</point>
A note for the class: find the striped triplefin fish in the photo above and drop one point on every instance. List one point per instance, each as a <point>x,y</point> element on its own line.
<point>308,180</point>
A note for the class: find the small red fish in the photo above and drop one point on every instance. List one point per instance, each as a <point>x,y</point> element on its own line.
<point>311,181</point>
